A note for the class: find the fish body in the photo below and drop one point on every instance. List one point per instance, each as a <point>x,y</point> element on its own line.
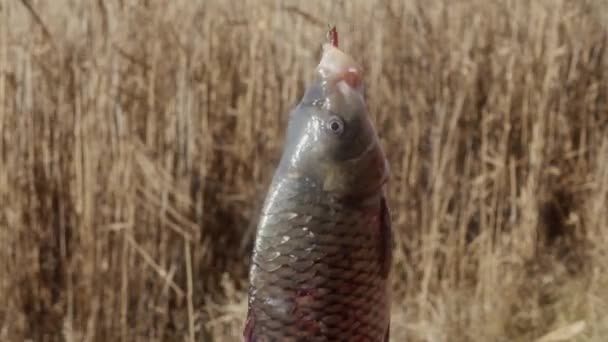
<point>321,262</point>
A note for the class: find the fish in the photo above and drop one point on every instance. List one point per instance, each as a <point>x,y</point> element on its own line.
<point>321,261</point>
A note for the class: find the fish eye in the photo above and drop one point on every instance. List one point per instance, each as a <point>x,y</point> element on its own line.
<point>335,125</point>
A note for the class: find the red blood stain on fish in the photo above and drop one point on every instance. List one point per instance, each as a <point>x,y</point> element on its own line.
<point>304,293</point>
<point>305,321</point>
<point>304,298</point>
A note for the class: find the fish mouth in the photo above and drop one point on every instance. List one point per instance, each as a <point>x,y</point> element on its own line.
<point>336,67</point>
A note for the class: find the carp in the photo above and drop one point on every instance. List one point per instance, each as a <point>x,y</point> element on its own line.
<point>321,261</point>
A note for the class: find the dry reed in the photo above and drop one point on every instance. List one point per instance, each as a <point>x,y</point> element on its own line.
<point>136,139</point>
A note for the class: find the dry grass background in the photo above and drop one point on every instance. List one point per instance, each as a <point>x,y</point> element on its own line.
<point>136,138</point>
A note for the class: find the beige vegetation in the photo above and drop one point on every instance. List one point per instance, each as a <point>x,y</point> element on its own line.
<point>136,139</point>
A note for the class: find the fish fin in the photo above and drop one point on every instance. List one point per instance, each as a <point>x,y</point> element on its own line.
<point>248,331</point>
<point>386,238</point>
<point>388,333</point>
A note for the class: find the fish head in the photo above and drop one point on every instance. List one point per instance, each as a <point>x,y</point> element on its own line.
<point>330,137</point>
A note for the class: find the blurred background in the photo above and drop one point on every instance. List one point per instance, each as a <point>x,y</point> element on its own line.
<point>137,139</point>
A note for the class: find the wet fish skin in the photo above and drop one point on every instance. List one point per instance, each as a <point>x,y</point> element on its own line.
<point>321,262</point>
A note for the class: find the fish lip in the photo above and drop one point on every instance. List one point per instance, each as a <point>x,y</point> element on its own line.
<point>334,61</point>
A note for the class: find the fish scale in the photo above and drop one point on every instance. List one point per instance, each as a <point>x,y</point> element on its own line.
<point>341,254</point>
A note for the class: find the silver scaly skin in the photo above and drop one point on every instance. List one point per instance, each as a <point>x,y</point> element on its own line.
<point>321,263</point>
